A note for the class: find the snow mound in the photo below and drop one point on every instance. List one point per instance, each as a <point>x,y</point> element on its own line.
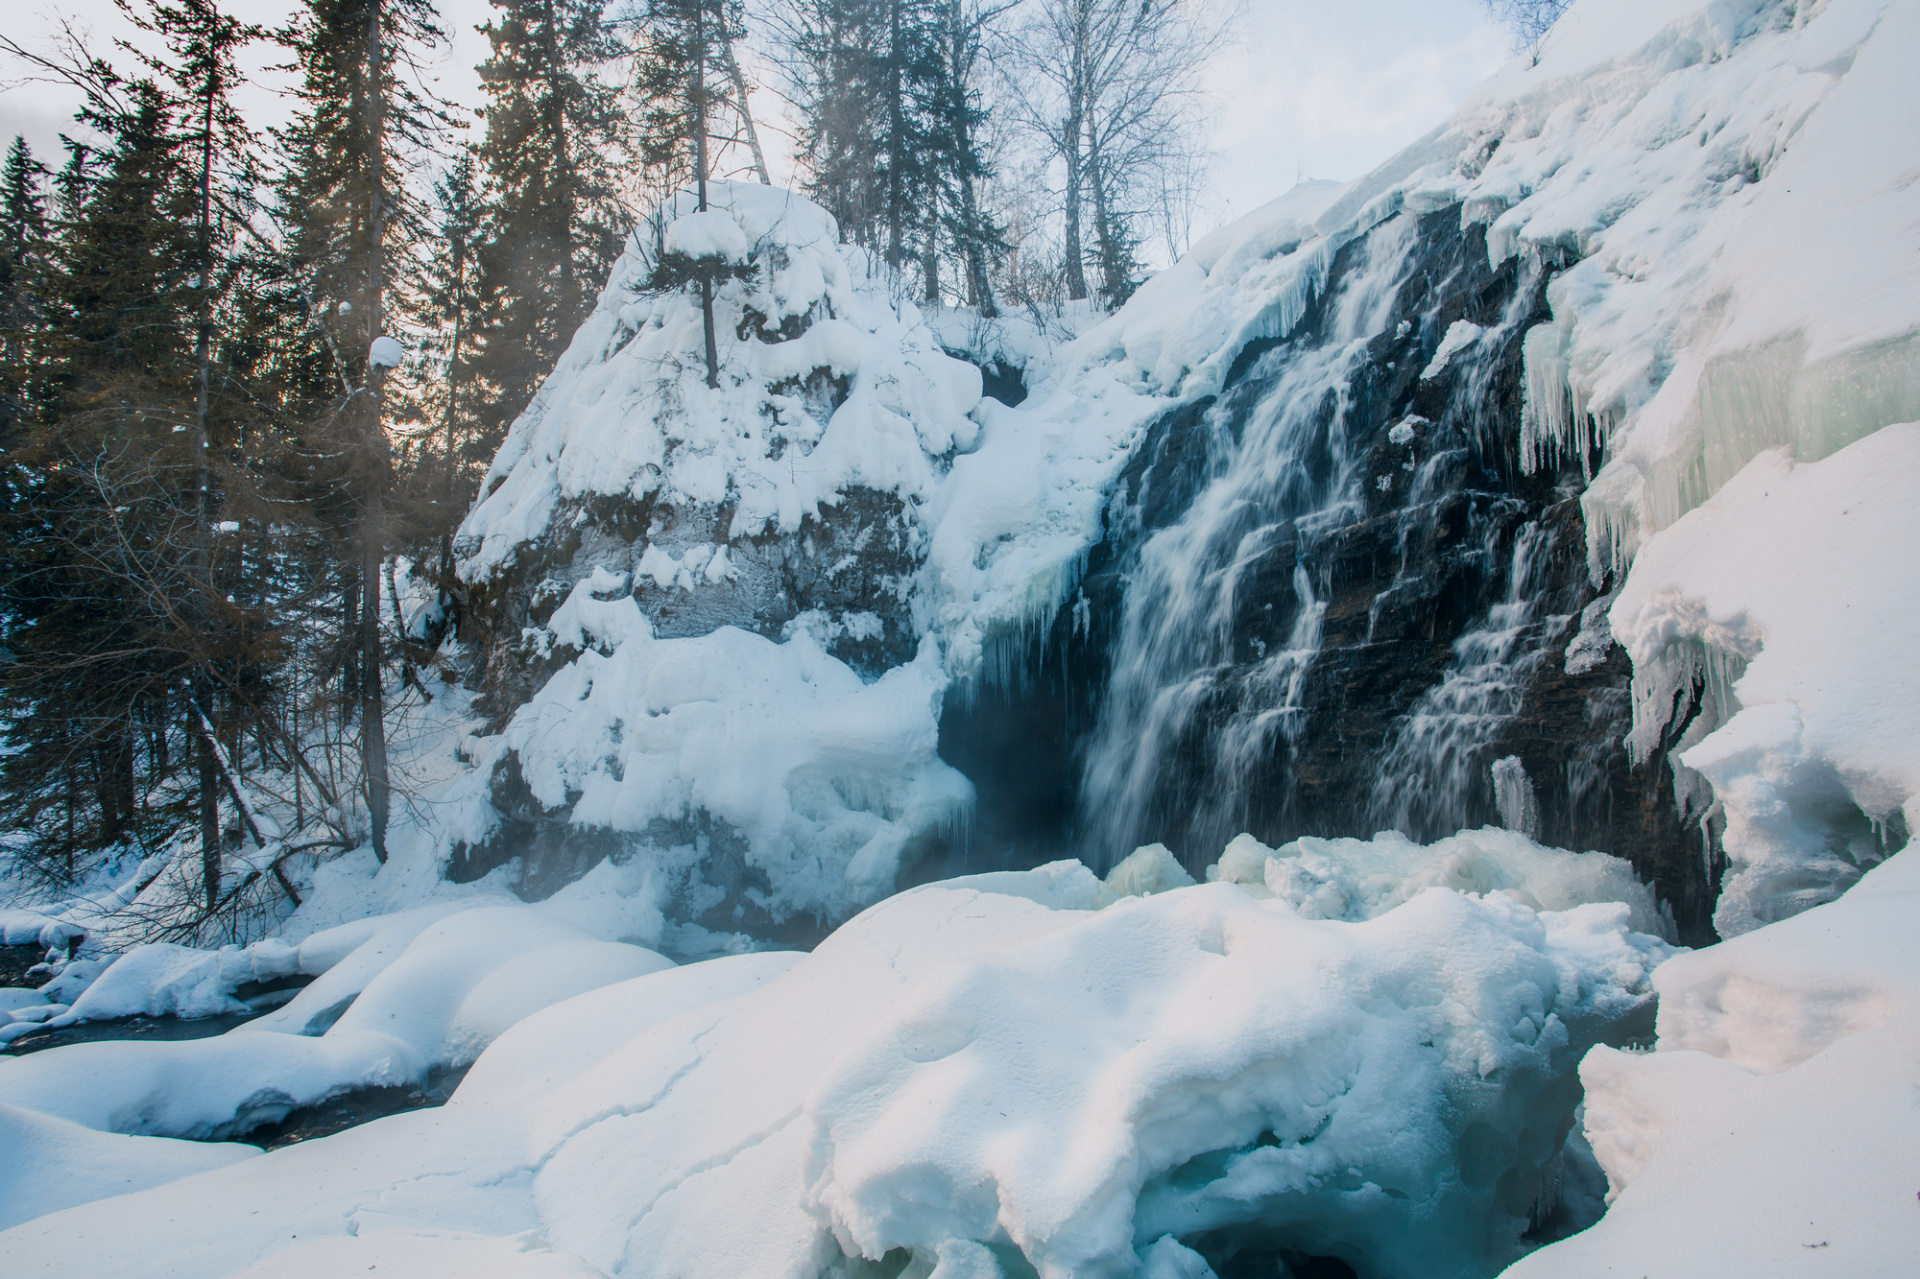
<point>53,1164</point>
<point>715,233</point>
<point>1793,594</point>
<point>991,1073</point>
<point>202,1088</point>
<point>827,778</point>
<point>165,980</point>
<point>627,412</point>
<point>1772,1131</point>
<point>1356,879</point>
<point>1068,1095</point>
<point>397,997</point>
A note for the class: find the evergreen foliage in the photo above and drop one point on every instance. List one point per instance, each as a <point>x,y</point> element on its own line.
<point>554,220</point>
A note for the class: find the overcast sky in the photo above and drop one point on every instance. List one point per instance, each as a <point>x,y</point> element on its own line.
<point>1311,89</point>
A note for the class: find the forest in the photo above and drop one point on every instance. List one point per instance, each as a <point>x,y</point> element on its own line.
<point>250,380</point>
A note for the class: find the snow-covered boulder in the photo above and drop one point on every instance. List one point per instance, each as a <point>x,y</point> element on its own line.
<point>698,579</point>
<point>1772,1132</point>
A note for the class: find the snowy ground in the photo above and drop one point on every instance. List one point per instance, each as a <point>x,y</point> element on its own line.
<point>1018,1065</point>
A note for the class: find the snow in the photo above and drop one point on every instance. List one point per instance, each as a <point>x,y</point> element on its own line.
<point>53,1164</point>
<point>386,353</point>
<point>715,233</point>
<point>201,1088</point>
<point>1797,587</point>
<point>1460,335</point>
<point>1772,1131</point>
<point>825,776</point>
<point>162,979</point>
<point>627,413</point>
<point>397,997</point>
<point>1357,879</point>
<point>968,1069</point>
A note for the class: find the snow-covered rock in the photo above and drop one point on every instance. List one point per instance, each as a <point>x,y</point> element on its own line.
<point>696,581</point>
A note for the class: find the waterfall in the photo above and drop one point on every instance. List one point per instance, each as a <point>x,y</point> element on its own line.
<point>1277,471</point>
<point>1434,774</point>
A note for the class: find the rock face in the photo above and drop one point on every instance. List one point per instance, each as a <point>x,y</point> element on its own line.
<point>1329,600</point>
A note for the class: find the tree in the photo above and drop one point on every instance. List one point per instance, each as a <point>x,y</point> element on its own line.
<point>349,227</point>
<point>680,78</point>
<point>1112,89</point>
<point>23,245</point>
<point>201,43</point>
<point>891,134</point>
<point>1529,20</point>
<point>554,222</point>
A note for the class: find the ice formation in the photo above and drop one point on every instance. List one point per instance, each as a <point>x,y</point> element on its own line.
<point>989,1074</point>
<point>1793,594</point>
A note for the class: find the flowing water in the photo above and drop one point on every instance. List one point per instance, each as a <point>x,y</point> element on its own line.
<point>1286,467</point>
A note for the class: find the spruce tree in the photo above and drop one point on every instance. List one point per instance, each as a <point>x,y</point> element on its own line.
<point>554,224</point>
<point>892,125</point>
<point>201,43</point>
<point>350,228</point>
<point>680,77</point>
<point>23,245</point>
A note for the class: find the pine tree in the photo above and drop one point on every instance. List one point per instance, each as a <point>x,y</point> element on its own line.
<point>201,43</point>
<point>679,75</point>
<point>349,230</point>
<point>554,222</point>
<point>892,126</point>
<point>92,505</point>
<point>23,245</point>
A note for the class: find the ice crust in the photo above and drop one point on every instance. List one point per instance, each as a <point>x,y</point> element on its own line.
<point>1794,593</point>
<point>981,1071</point>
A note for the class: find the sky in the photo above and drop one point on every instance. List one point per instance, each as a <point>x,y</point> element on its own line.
<point>1307,89</point>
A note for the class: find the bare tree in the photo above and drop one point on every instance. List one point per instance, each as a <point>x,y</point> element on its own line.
<point>1529,20</point>
<point>1113,90</point>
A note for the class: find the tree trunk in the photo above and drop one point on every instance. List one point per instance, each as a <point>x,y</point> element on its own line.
<point>896,142</point>
<point>1076,124</point>
<point>746,116</point>
<point>197,703</point>
<point>699,117</point>
<point>973,234</point>
<point>373,727</point>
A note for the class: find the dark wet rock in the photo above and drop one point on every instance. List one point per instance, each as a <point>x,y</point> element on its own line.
<point>1404,572</point>
<point>351,1109</point>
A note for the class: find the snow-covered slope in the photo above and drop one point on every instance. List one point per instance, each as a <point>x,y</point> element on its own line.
<point>1773,1131</point>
